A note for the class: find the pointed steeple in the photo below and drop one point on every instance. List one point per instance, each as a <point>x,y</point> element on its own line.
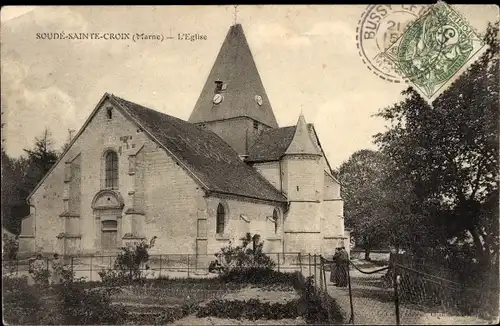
<point>301,142</point>
<point>235,77</point>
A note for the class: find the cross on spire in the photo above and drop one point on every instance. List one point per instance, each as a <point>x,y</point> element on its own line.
<point>235,13</point>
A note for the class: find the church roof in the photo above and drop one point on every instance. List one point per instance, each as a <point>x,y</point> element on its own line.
<point>204,154</point>
<point>241,83</point>
<point>272,144</point>
<point>302,143</point>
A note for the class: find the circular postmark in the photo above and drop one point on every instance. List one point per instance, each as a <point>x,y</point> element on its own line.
<point>379,27</point>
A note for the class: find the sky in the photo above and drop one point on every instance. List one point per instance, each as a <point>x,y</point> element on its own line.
<point>307,57</point>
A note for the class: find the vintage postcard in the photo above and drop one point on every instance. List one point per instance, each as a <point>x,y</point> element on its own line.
<point>250,164</point>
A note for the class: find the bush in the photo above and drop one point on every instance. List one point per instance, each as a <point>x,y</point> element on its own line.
<point>10,248</point>
<point>128,265</point>
<point>172,314</point>
<point>21,302</point>
<point>78,306</point>
<point>9,255</point>
<point>41,277</point>
<point>241,257</point>
<point>260,276</point>
<point>251,309</point>
<point>316,306</point>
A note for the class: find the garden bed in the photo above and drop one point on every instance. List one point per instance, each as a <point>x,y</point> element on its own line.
<point>244,297</point>
<point>267,297</point>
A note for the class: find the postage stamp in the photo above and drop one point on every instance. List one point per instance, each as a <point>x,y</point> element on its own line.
<point>378,28</point>
<point>434,49</point>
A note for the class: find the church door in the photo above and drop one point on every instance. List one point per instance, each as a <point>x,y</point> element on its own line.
<point>108,235</point>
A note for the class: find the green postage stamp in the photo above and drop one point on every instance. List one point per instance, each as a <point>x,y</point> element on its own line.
<point>435,50</point>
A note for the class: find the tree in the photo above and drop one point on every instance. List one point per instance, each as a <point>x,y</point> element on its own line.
<point>448,152</point>
<point>21,175</point>
<point>41,158</point>
<point>360,177</point>
<point>12,177</point>
<point>12,198</point>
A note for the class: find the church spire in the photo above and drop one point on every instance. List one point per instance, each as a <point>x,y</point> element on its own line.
<point>302,143</point>
<point>233,88</point>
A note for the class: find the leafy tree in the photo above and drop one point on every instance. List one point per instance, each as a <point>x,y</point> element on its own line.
<point>41,158</point>
<point>21,175</point>
<point>360,177</point>
<point>448,152</point>
<point>13,170</point>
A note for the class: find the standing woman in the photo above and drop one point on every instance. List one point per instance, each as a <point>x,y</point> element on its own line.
<point>343,266</point>
<point>334,267</point>
<point>57,268</point>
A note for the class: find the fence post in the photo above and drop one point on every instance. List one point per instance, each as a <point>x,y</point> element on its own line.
<point>309,264</point>
<point>160,268</point>
<point>315,281</point>
<point>91,268</point>
<point>396,294</point>
<point>320,273</point>
<point>278,262</point>
<point>300,263</point>
<point>324,275</point>
<point>351,320</point>
<point>188,265</point>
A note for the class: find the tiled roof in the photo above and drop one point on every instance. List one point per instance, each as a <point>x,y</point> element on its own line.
<point>236,68</point>
<point>272,144</point>
<point>206,155</point>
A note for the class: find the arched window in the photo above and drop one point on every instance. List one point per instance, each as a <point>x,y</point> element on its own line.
<point>276,220</point>
<point>111,170</point>
<point>221,219</point>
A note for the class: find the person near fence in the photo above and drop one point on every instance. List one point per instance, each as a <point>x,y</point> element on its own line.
<point>334,267</point>
<point>37,270</point>
<point>343,265</point>
<point>214,267</point>
<point>57,267</point>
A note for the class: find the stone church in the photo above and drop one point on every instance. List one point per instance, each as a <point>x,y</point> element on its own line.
<point>132,173</point>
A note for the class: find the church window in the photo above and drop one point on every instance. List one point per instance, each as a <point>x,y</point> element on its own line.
<point>111,172</point>
<point>109,113</point>
<point>276,220</point>
<point>221,219</point>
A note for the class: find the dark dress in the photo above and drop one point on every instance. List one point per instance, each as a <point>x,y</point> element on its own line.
<point>343,265</point>
<point>334,268</point>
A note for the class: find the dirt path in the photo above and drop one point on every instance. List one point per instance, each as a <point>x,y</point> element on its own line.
<point>374,305</point>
